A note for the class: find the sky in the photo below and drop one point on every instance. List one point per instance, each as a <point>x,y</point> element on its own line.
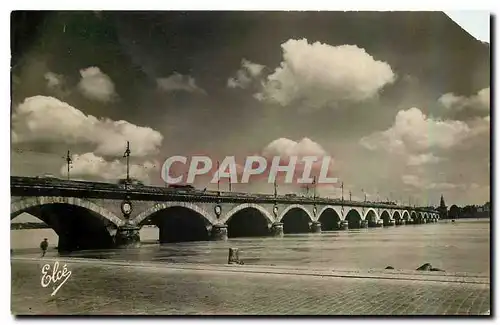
<point>400,101</point>
<point>476,23</point>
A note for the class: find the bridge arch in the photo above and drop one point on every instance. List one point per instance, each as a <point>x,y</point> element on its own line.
<point>269,217</point>
<point>330,217</point>
<point>174,204</point>
<point>385,215</point>
<point>414,215</point>
<point>396,215</point>
<point>248,220</point>
<point>406,215</point>
<point>177,221</point>
<point>353,218</point>
<point>368,212</point>
<point>296,219</point>
<point>78,223</point>
<point>25,204</point>
<point>294,206</point>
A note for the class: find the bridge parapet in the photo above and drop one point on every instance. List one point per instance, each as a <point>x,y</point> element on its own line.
<point>33,186</point>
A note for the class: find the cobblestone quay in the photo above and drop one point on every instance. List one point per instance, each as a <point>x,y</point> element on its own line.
<point>124,288</point>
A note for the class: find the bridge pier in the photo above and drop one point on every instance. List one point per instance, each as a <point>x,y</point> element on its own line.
<point>277,229</point>
<point>344,225</point>
<point>65,244</point>
<point>400,222</point>
<point>127,236</point>
<point>316,227</point>
<point>379,223</point>
<point>219,232</point>
<point>364,224</point>
<point>391,222</point>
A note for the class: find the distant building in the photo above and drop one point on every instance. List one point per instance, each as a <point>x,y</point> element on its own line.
<point>443,211</point>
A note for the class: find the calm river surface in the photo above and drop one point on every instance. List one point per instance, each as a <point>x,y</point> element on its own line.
<point>463,246</point>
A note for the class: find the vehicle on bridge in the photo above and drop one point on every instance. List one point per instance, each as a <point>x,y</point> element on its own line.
<point>131,181</point>
<point>184,187</point>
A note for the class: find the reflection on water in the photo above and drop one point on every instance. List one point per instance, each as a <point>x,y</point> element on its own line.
<point>463,246</point>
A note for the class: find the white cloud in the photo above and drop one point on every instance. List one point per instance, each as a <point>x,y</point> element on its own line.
<point>474,105</point>
<point>318,74</point>
<point>54,81</point>
<point>178,82</point>
<point>411,180</point>
<point>248,72</point>
<point>422,159</point>
<point>415,132</point>
<point>417,182</point>
<point>90,165</point>
<point>47,119</point>
<point>96,85</point>
<point>284,147</point>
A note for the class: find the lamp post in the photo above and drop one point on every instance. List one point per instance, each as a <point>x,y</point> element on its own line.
<point>314,188</point>
<point>127,155</point>
<point>218,179</point>
<point>128,234</point>
<point>69,161</point>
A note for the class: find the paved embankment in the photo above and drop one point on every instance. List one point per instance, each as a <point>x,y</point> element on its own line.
<point>120,287</point>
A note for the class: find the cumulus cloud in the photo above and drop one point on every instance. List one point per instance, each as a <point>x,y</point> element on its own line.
<point>415,132</point>
<point>464,107</point>
<point>56,84</point>
<point>179,82</point>
<point>54,80</point>
<point>47,119</point>
<point>422,159</point>
<point>284,147</point>
<point>419,183</point>
<point>246,75</point>
<point>317,74</point>
<point>96,85</point>
<point>89,165</point>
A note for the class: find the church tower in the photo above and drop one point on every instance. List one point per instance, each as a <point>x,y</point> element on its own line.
<point>443,211</point>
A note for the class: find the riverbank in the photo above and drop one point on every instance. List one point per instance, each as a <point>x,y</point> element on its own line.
<point>121,287</point>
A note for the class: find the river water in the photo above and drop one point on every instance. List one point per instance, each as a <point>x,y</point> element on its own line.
<point>463,246</point>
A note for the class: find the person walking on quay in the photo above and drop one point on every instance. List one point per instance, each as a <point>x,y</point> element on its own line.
<point>43,246</point>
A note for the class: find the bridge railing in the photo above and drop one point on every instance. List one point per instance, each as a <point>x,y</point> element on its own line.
<point>74,185</point>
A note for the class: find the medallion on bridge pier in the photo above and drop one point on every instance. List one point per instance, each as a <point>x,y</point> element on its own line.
<point>218,210</point>
<point>126,208</point>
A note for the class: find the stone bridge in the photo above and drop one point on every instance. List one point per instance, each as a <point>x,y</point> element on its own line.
<point>90,215</point>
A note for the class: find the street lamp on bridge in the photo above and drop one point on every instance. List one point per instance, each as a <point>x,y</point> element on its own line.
<point>314,188</point>
<point>69,162</point>
<point>218,179</point>
<point>127,155</point>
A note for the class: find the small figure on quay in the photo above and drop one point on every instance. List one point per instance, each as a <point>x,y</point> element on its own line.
<point>43,246</point>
